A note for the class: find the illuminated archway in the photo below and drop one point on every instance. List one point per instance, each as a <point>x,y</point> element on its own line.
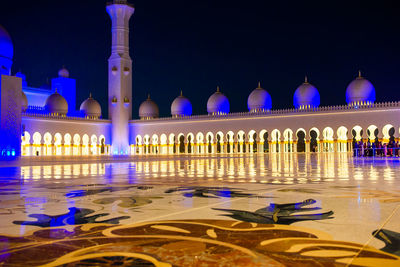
<point>58,144</point>
<point>93,145</point>
<point>67,144</point>
<point>230,141</point>
<point>241,141</point>
<point>314,140</point>
<point>252,137</point>
<point>275,141</point>
<point>181,143</point>
<point>77,145</point>
<point>154,144</point>
<point>172,142</point>
<point>139,145</point>
<point>48,146</point>
<point>190,141</point>
<point>146,142</point>
<point>25,144</point>
<point>372,133</point>
<point>219,142</point>
<point>288,140</point>
<point>327,134</point>
<point>210,142</point>
<point>102,140</point>
<point>200,142</point>
<point>164,145</point>
<point>264,145</point>
<point>388,132</point>
<point>85,144</point>
<point>37,144</point>
<point>301,140</point>
<point>342,139</point>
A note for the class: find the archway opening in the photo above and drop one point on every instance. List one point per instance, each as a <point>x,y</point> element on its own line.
<point>254,148</point>
<point>181,144</point>
<point>301,141</point>
<point>209,144</point>
<point>265,145</point>
<point>313,141</point>
<point>189,138</point>
<point>218,143</point>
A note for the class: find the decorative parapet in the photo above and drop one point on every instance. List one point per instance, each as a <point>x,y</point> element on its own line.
<point>40,112</point>
<point>290,111</point>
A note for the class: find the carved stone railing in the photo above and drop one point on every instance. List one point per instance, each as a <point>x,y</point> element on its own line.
<point>280,112</point>
<point>32,113</point>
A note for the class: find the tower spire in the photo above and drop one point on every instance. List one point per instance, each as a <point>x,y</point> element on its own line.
<point>120,86</point>
<point>259,85</point>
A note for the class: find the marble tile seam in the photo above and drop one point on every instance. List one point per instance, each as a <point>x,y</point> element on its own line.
<point>373,235</point>
<point>207,206</point>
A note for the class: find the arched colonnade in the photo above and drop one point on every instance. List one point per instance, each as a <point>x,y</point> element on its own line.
<point>48,144</point>
<point>328,139</point>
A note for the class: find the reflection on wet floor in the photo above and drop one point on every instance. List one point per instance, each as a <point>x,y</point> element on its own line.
<point>270,168</point>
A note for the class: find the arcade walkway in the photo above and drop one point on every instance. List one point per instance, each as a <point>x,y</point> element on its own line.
<point>278,209</point>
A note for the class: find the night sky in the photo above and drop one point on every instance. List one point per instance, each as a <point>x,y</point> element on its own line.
<point>197,45</point>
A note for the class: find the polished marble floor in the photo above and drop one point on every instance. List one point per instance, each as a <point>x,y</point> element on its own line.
<point>225,210</point>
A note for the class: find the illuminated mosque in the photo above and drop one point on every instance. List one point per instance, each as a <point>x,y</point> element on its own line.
<point>45,121</point>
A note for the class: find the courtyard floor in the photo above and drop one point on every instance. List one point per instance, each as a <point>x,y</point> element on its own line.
<point>218,210</point>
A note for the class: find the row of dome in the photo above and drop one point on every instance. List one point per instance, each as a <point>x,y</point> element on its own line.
<point>57,105</point>
<point>360,91</point>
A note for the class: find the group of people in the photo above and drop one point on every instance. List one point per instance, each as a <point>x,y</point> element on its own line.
<point>376,149</point>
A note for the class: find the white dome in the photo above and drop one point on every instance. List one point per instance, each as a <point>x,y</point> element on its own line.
<point>63,73</point>
<point>56,104</point>
<point>181,106</point>
<point>91,108</point>
<point>148,109</point>
<point>24,102</point>
<point>6,45</point>
<point>306,96</point>
<point>360,91</point>
<point>218,103</point>
<point>259,99</point>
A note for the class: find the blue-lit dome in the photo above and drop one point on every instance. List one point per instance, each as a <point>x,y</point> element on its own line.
<point>218,103</point>
<point>23,77</point>
<point>56,104</point>
<point>306,96</point>
<point>6,51</point>
<point>6,45</point>
<point>181,106</point>
<point>259,100</point>
<point>360,91</point>
<point>148,109</point>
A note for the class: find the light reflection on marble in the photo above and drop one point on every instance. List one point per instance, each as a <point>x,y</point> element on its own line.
<point>286,168</point>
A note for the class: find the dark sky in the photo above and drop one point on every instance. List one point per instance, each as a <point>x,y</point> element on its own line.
<point>197,45</point>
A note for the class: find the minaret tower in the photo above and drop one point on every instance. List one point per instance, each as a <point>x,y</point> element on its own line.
<point>120,76</point>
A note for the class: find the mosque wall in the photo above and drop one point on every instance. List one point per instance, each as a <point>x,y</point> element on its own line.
<point>64,136</point>
<point>294,121</point>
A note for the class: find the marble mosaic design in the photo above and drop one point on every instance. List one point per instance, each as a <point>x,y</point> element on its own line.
<point>262,237</point>
<point>187,243</point>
